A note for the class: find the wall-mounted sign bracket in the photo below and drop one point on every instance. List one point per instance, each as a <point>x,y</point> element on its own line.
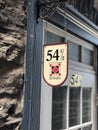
<point>47,9</point>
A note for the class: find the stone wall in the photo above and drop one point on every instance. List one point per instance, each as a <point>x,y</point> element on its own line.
<point>12,48</point>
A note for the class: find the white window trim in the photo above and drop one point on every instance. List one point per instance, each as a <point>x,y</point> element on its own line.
<point>57,31</point>
<point>70,38</point>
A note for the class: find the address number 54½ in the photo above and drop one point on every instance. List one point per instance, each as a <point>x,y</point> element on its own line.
<point>52,55</point>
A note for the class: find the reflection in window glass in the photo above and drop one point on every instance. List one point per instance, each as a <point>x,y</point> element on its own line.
<point>53,38</point>
<point>74,106</point>
<point>86,105</point>
<point>87,128</point>
<point>74,52</point>
<point>59,108</point>
<point>88,57</point>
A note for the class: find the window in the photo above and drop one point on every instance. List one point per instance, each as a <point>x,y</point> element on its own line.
<point>74,52</point>
<point>81,54</point>
<point>88,57</point>
<point>74,106</point>
<point>69,107</point>
<point>79,104</point>
<point>86,105</point>
<point>52,38</point>
<point>87,128</point>
<point>59,108</point>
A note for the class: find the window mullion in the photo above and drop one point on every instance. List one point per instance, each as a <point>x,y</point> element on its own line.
<point>92,108</point>
<point>82,52</point>
<point>68,107</point>
<point>81,107</point>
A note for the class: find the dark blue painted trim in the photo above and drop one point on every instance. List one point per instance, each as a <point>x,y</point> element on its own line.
<point>29,65</point>
<point>31,113</point>
<point>59,20</point>
<point>81,33</point>
<point>36,78</point>
<point>76,13</point>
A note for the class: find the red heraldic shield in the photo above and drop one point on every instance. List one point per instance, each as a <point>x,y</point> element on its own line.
<point>55,69</point>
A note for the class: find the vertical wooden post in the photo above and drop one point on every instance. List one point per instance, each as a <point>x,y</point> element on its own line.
<point>31,114</point>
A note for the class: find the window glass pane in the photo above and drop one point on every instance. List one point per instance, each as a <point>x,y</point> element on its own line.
<point>74,52</point>
<point>87,128</point>
<point>74,106</point>
<point>59,108</point>
<point>53,38</point>
<point>88,57</point>
<point>86,105</point>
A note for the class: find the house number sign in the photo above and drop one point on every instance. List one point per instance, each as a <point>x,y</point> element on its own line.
<point>76,80</point>
<point>55,63</point>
